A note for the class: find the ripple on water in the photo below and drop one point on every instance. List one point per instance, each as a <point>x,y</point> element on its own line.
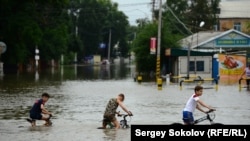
<point>78,107</point>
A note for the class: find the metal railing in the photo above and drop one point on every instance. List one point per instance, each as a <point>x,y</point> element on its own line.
<point>201,80</point>
<point>240,86</point>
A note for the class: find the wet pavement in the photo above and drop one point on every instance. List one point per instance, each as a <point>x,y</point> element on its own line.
<point>79,96</point>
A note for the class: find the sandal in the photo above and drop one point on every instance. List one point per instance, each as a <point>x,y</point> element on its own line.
<point>48,123</point>
<point>29,120</point>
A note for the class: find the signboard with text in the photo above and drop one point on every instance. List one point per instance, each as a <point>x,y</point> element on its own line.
<point>232,42</point>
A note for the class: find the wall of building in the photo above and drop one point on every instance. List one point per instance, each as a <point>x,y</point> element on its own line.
<point>200,66</point>
<point>226,24</point>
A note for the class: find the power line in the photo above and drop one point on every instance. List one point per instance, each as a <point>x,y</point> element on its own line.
<point>178,19</point>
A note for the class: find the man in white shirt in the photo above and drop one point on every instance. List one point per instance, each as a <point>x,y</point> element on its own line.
<point>193,103</point>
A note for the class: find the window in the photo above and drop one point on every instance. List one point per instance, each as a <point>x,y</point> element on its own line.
<point>196,66</point>
<point>237,26</point>
<point>200,66</point>
<point>191,66</point>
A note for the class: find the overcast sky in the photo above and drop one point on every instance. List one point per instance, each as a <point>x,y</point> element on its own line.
<point>135,9</point>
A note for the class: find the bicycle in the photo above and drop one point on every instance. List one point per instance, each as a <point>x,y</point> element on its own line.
<point>210,116</point>
<point>123,122</point>
<point>49,122</point>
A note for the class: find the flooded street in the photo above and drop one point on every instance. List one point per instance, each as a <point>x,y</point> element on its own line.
<point>79,96</point>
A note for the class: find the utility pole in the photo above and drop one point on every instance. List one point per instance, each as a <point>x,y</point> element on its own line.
<point>158,58</point>
<point>110,32</point>
<point>153,10</point>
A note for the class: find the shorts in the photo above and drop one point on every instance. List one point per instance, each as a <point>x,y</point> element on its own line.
<point>36,116</point>
<point>108,118</point>
<point>188,117</point>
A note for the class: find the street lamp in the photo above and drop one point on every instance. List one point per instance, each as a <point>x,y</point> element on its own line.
<point>76,28</point>
<point>37,57</point>
<point>109,47</point>
<point>76,14</point>
<point>110,40</point>
<point>202,23</point>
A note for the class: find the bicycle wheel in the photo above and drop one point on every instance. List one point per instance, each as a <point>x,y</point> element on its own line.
<point>217,124</point>
<point>176,124</point>
<point>110,125</point>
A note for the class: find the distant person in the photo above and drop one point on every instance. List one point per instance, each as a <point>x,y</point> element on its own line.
<point>38,111</point>
<point>247,72</point>
<point>193,103</point>
<point>110,111</point>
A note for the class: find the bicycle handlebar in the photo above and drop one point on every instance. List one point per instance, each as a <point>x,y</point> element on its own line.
<point>124,115</point>
<point>209,111</point>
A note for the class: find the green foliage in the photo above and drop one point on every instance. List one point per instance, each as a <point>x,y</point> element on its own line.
<point>55,42</point>
<point>51,26</point>
<point>27,24</point>
<point>248,27</point>
<point>144,61</point>
<point>69,57</point>
<point>202,10</point>
<point>96,19</point>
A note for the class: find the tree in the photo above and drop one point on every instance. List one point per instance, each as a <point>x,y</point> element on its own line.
<point>97,18</point>
<point>248,28</point>
<point>27,24</point>
<point>202,10</point>
<point>51,26</point>
<point>175,14</point>
<point>144,61</point>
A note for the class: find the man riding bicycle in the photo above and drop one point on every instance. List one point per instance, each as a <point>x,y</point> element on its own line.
<point>194,102</point>
<point>110,111</point>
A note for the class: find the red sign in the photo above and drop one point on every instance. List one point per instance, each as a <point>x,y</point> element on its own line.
<point>152,45</point>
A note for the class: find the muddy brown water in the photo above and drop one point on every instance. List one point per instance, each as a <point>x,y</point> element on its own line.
<point>79,96</point>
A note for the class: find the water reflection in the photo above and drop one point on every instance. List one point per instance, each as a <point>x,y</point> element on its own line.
<point>36,76</point>
<point>74,72</point>
<point>19,89</point>
<point>93,72</point>
<point>110,135</point>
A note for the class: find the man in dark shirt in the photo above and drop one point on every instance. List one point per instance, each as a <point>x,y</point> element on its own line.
<point>38,109</point>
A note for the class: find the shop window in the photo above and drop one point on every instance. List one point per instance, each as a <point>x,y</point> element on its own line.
<point>195,66</point>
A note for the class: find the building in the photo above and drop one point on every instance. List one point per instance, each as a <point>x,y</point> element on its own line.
<point>230,43</point>
<point>200,63</point>
<point>211,51</point>
<point>234,14</point>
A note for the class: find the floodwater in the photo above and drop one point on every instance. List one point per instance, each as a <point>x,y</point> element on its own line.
<point>79,96</point>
